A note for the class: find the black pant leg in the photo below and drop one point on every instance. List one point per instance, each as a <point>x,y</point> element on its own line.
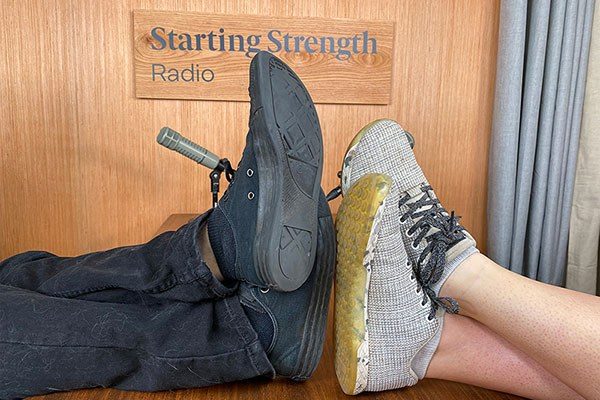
<point>148,317</point>
<point>50,344</point>
<point>170,266</point>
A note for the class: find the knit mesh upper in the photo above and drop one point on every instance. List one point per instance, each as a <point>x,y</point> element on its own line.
<point>400,336</point>
<point>397,322</point>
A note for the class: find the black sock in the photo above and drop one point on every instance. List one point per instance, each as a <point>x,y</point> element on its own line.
<point>222,243</point>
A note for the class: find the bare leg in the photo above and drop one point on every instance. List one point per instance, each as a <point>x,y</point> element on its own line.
<point>207,253</point>
<point>558,328</point>
<point>469,352</point>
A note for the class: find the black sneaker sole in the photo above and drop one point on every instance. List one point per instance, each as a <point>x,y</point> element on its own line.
<point>313,336</point>
<point>289,152</point>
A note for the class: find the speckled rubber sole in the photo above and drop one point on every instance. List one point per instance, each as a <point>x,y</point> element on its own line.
<point>357,225</point>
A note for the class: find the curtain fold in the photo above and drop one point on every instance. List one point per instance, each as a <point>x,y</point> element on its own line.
<point>540,83</point>
<point>584,233</point>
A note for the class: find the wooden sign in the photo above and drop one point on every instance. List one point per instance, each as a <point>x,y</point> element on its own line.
<point>188,55</point>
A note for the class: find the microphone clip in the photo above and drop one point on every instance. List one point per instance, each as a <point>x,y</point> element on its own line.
<point>215,178</point>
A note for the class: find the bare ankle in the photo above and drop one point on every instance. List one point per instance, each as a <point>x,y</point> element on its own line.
<point>208,255</point>
<point>464,281</point>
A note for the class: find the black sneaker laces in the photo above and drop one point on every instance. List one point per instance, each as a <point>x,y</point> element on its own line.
<point>336,191</point>
<point>429,214</point>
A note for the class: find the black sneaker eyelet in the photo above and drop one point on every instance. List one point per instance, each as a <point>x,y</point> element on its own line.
<point>249,172</point>
<point>265,290</point>
<point>250,195</point>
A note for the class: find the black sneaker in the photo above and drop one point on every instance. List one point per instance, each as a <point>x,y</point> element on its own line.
<point>291,326</point>
<point>264,229</point>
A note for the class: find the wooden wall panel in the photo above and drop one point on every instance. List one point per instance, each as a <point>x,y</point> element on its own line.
<point>365,79</point>
<point>79,166</point>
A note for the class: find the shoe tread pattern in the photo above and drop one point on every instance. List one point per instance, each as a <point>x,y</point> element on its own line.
<point>300,133</point>
<point>298,123</point>
<point>356,218</point>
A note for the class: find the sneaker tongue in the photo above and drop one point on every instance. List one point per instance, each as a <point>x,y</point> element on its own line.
<point>416,194</point>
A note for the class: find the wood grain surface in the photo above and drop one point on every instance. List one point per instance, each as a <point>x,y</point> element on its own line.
<point>322,385</point>
<point>360,79</point>
<point>79,167</point>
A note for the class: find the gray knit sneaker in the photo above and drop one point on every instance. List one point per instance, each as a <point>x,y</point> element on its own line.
<point>385,336</point>
<point>434,240</point>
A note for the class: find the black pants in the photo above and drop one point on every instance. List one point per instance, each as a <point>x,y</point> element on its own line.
<point>148,317</point>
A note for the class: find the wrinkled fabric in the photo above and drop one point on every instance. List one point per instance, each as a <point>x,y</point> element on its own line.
<point>148,317</point>
<point>584,234</point>
<point>542,61</point>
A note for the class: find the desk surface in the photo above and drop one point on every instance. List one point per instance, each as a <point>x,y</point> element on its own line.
<point>323,384</point>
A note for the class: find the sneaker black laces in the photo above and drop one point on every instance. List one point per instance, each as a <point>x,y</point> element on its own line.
<point>336,191</point>
<point>428,214</point>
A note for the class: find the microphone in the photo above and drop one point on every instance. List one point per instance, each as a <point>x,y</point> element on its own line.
<point>182,145</point>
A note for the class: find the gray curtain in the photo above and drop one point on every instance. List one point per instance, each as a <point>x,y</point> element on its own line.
<point>584,234</point>
<point>543,52</point>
